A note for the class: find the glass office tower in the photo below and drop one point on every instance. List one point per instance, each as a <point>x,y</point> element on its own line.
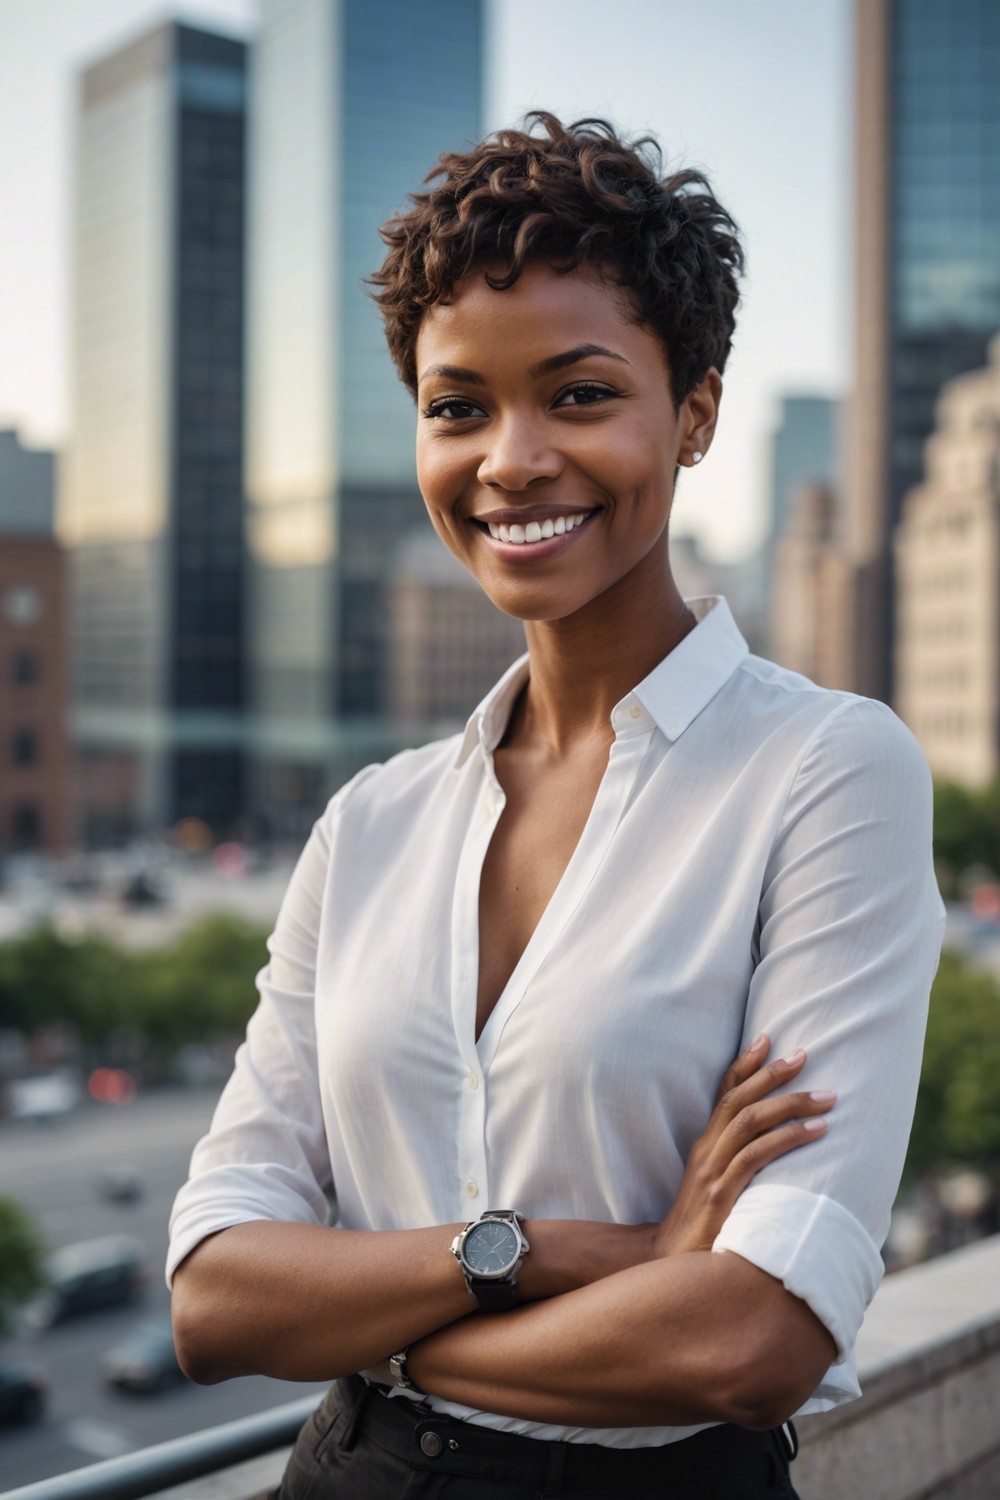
<point>928,285</point>
<point>150,497</point>
<point>352,103</point>
<point>803,451</point>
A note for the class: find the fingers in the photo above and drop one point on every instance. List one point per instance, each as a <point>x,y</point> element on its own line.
<point>747,1080</point>
<point>747,1063</point>
<point>756,1119</point>
<point>766,1148</point>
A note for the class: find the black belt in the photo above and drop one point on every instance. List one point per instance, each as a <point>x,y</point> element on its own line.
<point>416,1433</point>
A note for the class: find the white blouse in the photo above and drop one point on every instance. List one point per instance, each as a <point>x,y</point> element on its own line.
<point>758,858</point>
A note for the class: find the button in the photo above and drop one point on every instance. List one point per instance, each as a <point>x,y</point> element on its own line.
<point>472,1189</point>
<point>473,1081</point>
<point>635,712</point>
<point>431,1443</point>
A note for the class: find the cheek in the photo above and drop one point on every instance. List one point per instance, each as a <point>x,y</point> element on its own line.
<point>438,475</point>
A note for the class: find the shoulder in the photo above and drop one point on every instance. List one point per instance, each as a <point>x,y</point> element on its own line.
<point>823,717</point>
<point>807,742</point>
<point>406,781</point>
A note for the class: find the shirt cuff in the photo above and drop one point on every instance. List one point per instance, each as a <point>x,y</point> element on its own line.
<point>814,1246</point>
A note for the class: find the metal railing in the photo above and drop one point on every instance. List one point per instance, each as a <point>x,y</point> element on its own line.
<point>150,1470</point>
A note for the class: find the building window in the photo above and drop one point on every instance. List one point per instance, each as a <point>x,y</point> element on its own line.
<point>25,747</point>
<point>25,826</point>
<point>24,668</point>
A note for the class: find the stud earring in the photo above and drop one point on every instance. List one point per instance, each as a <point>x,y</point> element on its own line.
<point>696,458</point>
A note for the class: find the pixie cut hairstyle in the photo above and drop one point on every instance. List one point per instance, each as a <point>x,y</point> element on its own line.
<point>570,195</point>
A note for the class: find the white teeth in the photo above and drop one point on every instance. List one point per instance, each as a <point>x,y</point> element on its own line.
<point>535,531</point>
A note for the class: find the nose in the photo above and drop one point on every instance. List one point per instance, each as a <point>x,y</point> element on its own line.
<point>519,451</point>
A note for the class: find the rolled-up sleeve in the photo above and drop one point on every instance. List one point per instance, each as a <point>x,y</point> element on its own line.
<point>265,1155</point>
<point>850,930</point>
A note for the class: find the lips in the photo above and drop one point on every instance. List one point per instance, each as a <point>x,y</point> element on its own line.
<point>532,527</point>
<point>527,537</point>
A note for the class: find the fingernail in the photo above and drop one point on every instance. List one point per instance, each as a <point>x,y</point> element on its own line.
<point>823,1096</point>
<point>757,1042</point>
<point>796,1056</point>
<point>814,1124</point>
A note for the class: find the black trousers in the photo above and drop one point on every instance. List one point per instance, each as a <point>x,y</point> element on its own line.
<point>360,1445</point>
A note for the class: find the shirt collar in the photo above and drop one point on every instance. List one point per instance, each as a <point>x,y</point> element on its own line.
<point>671,696</point>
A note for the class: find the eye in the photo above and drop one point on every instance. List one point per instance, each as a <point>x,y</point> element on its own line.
<point>452,409</point>
<point>585,395</point>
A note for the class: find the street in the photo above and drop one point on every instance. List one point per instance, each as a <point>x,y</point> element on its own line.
<point>52,1169</point>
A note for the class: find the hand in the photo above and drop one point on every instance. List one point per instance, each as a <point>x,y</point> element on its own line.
<point>738,1140</point>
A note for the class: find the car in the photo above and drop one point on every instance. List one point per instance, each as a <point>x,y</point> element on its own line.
<point>145,1360</point>
<point>23,1393</point>
<point>120,1184</point>
<point>85,1277</point>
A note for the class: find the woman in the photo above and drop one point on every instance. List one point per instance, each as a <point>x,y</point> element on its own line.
<point>512,966</point>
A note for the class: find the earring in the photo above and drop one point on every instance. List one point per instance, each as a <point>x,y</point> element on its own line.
<point>696,458</point>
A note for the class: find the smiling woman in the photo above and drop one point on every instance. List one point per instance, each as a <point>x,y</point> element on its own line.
<point>513,967</point>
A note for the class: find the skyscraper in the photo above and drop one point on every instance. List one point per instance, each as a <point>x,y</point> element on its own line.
<point>948,585</point>
<point>150,491</point>
<point>804,451</point>
<point>928,266</point>
<point>34,747</point>
<point>353,102</point>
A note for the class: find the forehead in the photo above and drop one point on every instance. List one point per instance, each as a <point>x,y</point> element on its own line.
<point>544,312</point>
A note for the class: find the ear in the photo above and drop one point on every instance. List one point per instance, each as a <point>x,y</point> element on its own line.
<point>699,414</point>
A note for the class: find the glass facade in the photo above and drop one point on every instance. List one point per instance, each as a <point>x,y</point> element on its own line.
<point>804,451</point>
<point>150,488</point>
<point>352,103</point>
<point>944,230</point>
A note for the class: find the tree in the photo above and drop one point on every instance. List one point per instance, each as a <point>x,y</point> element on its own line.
<point>966,828</point>
<point>22,1254</point>
<point>957,1116</point>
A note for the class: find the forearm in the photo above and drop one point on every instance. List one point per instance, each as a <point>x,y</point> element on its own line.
<point>668,1343</point>
<point>301,1302</point>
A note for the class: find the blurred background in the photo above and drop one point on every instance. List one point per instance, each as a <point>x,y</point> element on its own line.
<point>219,594</point>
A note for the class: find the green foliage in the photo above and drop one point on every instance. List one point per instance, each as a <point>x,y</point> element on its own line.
<point>22,1253</point>
<point>966,827</point>
<point>201,986</point>
<point>958,1106</point>
<point>197,988</point>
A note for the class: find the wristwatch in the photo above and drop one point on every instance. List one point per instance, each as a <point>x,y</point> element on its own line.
<point>490,1251</point>
<point>399,1373</point>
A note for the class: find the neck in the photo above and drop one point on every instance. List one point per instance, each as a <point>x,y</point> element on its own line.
<point>582,666</point>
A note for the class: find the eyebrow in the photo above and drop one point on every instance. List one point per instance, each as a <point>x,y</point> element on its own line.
<point>544,367</point>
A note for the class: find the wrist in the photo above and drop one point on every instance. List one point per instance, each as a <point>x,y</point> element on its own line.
<point>568,1254</point>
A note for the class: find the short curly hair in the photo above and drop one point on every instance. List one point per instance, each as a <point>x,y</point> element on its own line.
<point>571,195</point>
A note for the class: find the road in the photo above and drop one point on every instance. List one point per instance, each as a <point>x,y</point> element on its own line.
<point>52,1170</point>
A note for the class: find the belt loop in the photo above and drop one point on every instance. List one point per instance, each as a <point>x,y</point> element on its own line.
<point>355,1399</point>
<point>555,1470</point>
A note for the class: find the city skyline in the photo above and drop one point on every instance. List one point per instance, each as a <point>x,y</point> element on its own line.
<point>761,103</point>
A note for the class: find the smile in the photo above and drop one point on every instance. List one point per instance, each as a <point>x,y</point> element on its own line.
<point>535,531</point>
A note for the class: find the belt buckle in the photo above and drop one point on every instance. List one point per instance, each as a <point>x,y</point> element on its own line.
<point>789,1439</point>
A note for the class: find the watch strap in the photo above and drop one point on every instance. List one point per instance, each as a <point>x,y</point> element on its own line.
<point>400,1373</point>
<point>494,1296</point>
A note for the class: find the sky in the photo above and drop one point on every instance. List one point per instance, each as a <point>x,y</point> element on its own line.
<point>756,93</point>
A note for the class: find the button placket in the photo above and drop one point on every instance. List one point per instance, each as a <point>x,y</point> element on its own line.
<point>473,1183</point>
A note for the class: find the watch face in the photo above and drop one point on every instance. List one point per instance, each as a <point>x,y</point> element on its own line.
<point>491,1248</point>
